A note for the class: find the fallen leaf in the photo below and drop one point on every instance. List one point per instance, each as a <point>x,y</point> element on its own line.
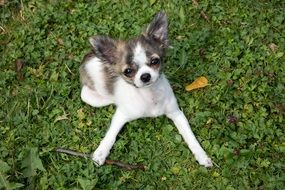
<point>202,53</point>
<point>232,119</point>
<point>3,2</point>
<point>230,82</point>
<point>281,108</point>
<point>237,151</point>
<point>195,3</point>
<point>19,65</point>
<point>200,82</point>
<point>60,42</point>
<point>203,14</point>
<point>273,47</point>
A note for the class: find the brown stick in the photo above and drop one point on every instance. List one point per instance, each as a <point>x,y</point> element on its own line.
<point>124,165</point>
<point>73,153</point>
<point>109,162</point>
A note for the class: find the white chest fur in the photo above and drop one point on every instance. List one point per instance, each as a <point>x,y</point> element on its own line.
<point>143,102</point>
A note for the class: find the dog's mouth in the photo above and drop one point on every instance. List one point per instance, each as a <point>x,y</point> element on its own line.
<point>147,85</point>
<point>144,86</point>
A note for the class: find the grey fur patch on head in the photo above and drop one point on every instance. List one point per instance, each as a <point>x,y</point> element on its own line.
<point>151,47</point>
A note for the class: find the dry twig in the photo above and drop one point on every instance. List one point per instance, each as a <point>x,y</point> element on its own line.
<point>109,162</point>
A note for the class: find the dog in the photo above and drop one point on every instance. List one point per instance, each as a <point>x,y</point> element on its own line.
<point>130,75</point>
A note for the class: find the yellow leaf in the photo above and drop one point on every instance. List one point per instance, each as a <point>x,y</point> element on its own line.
<point>200,82</point>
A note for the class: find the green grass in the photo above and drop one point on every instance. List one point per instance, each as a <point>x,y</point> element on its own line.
<point>239,118</point>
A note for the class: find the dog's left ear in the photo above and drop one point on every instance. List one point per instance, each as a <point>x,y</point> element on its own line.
<point>104,48</point>
<point>157,29</point>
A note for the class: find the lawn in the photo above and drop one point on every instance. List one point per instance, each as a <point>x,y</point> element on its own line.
<point>239,118</point>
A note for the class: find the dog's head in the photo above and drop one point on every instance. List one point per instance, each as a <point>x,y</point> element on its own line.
<point>138,61</point>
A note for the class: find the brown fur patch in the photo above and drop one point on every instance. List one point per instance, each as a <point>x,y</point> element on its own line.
<point>110,76</point>
<point>113,71</point>
<point>84,76</point>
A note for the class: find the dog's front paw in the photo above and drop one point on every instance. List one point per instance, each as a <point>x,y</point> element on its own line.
<point>204,160</point>
<point>99,157</point>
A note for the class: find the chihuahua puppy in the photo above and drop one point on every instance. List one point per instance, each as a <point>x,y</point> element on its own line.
<point>129,75</point>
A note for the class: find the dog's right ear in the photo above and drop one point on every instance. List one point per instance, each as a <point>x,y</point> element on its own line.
<point>157,29</point>
<point>104,48</point>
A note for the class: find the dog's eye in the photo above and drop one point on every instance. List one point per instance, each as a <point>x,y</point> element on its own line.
<point>128,72</point>
<point>155,61</point>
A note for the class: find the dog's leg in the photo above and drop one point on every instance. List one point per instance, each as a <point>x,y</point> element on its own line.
<point>92,98</point>
<point>184,129</point>
<point>101,153</point>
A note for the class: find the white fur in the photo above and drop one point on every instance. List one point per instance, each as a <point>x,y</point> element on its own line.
<point>133,103</point>
<point>139,55</point>
<point>94,70</point>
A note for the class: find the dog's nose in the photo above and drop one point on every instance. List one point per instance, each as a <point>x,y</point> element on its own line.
<point>145,77</point>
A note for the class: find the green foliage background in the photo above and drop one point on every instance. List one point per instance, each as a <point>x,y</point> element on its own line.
<point>239,118</point>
